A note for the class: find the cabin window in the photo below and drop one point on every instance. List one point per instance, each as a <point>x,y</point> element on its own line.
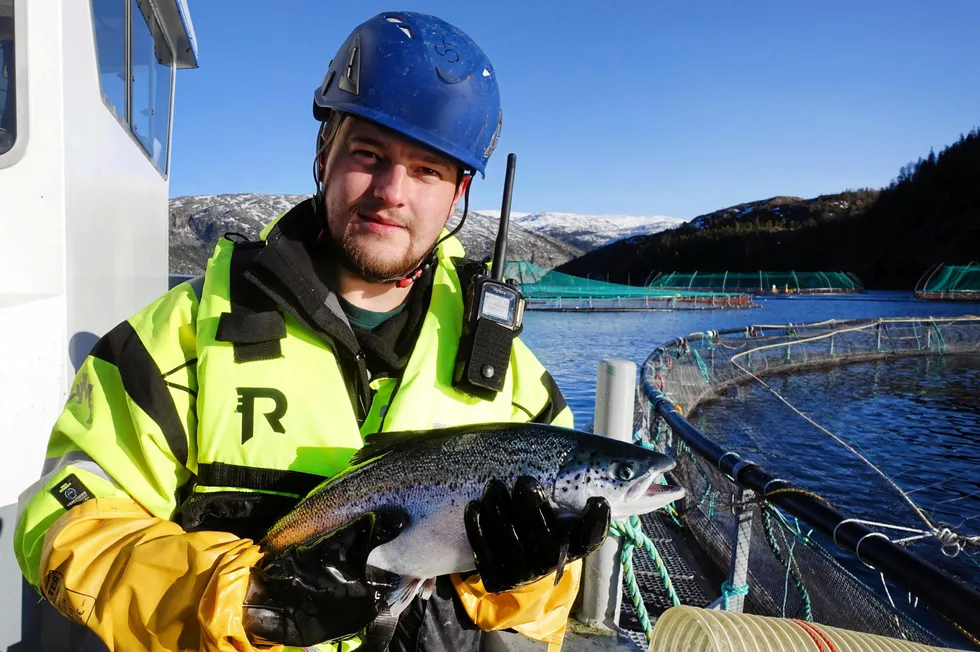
<point>136,71</point>
<point>109,20</point>
<point>152,66</point>
<point>8,86</point>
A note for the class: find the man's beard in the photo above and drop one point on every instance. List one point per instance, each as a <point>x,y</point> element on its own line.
<point>358,257</point>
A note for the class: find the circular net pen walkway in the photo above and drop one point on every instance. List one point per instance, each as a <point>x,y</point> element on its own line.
<point>550,290</point>
<point>950,282</point>
<point>769,545</point>
<point>760,282</point>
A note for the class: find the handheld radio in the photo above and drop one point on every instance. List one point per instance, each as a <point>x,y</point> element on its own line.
<point>493,316</point>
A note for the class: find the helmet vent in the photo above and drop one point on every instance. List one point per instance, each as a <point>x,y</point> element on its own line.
<point>496,135</point>
<point>401,25</point>
<point>351,72</point>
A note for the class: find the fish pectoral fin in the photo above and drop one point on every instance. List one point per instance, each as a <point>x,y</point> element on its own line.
<point>403,594</point>
<point>428,586</point>
<point>562,560</point>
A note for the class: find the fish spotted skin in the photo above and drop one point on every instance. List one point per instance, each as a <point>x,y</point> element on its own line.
<point>433,474</point>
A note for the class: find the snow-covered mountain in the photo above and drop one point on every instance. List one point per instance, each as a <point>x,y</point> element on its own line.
<point>546,239</point>
<point>589,232</point>
<point>197,222</point>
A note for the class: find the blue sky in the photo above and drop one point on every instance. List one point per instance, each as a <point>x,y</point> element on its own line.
<point>660,107</point>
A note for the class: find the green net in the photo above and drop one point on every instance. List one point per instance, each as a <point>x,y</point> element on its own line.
<point>950,282</point>
<point>547,289</point>
<point>793,571</point>
<point>781,282</point>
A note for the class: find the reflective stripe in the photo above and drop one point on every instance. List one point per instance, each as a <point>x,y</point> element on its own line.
<point>197,285</point>
<point>556,402</point>
<point>218,474</point>
<point>77,459</point>
<point>71,457</point>
<point>143,381</point>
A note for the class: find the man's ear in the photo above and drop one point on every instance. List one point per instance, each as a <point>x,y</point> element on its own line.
<point>464,183</point>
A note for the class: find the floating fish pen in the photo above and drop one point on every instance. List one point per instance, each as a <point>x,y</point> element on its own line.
<point>744,540</point>
<point>554,291</point>
<point>760,282</point>
<point>950,283</point>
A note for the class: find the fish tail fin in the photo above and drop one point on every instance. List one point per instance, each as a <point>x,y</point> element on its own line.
<point>404,592</point>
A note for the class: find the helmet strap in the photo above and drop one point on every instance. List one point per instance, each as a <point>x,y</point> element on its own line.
<point>408,280</point>
<point>325,136</point>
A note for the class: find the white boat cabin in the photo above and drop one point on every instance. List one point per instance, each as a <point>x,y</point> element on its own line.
<point>86,116</point>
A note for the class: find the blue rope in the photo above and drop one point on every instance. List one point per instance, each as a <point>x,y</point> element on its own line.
<point>632,532</point>
<point>940,340</point>
<point>701,366</point>
<point>788,563</point>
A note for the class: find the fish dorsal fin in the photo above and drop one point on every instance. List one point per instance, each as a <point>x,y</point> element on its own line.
<point>377,444</point>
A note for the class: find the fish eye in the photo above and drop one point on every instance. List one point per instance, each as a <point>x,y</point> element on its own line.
<point>625,472</point>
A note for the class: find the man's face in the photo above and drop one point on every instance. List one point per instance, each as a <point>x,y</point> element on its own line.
<point>387,199</point>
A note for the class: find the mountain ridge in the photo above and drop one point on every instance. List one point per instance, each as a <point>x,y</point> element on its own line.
<point>546,239</point>
<point>887,237</point>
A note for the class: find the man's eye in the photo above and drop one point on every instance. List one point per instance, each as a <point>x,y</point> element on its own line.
<point>364,154</point>
<point>430,172</point>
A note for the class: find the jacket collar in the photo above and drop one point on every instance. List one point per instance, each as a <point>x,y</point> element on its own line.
<point>296,272</point>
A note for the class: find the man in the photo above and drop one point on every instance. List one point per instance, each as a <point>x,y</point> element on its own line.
<point>206,416</point>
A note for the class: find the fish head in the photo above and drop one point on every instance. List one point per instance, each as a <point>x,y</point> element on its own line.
<point>627,475</point>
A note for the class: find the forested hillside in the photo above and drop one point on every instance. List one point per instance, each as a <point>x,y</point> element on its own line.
<point>930,213</point>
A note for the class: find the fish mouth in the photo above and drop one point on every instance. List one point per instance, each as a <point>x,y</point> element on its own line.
<point>647,494</point>
<point>641,486</point>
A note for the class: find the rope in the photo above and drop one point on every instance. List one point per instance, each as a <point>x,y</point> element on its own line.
<point>632,532</point>
<point>703,368</point>
<point>787,563</point>
<point>940,340</point>
<point>840,441</point>
<point>729,591</point>
<point>973,639</point>
<point>952,543</point>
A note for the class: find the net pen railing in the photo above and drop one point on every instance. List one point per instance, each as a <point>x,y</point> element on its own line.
<point>950,282</point>
<point>781,549</point>
<point>760,282</point>
<point>549,289</point>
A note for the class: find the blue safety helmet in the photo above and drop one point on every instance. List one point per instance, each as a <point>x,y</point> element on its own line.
<point>421,77</point>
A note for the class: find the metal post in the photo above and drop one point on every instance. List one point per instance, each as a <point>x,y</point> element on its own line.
<point>738,574</point>
<point>602,573</point>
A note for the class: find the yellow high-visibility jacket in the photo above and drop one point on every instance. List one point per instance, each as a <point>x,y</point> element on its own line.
<point>197,422</point>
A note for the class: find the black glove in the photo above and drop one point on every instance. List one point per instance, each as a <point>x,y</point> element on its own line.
<point>322,592</point>
<point>517,539</point>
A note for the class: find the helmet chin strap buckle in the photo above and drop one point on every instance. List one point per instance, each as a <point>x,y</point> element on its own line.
<point>428,262</point>
<point>408,280</point>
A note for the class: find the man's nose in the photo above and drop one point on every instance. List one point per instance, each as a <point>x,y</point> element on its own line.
<point>389,185</point>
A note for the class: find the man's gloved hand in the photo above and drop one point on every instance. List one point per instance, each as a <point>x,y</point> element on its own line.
<point>322,592</point>
<point>517,538</point>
